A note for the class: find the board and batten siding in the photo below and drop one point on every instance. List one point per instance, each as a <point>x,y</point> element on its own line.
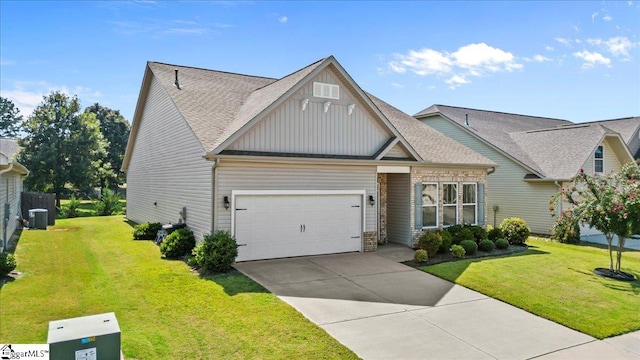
<point>10,189</point>
<point>289,129</point>
<point>399,208</point>
<point>167,168</point>
<point>397,152</point>
<point>505,187</point>
<point>611,162</point>
<point>244,176</point>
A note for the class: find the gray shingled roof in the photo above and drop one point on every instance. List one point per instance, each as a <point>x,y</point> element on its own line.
<point>218,104</point>
<point>553,148</point>
<point>626,127</point>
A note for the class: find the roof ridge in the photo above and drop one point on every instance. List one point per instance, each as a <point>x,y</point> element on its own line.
<point>218,71</point>
<point>617,119</point>
<point>290,74</point>
<point>564,127</point>
<point>505,113</point>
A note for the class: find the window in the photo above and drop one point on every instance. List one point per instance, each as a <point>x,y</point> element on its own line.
<point>449,204</point>
<point>469,203</point>
<point>323,90</point>
<point>430,205</point>
<point>598,160</point>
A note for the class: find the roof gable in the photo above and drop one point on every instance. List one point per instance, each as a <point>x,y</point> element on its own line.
<point>626,127</point>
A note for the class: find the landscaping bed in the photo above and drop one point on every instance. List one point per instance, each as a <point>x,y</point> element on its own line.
<point>448,256</point>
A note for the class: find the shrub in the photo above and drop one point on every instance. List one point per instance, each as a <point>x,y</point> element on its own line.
<point>457,251</point>
<point>216,252</point>
<point>70,210</point>
<point>566,230</point>
<point>470,246</point>
<point>515,230</point>
<point>486,245</point>
<point>464,234</point>
<point>446,242</point>
<point>8,263</point>
<point>178,244</point>
<point>494,234</point>
<point>109,204</point>
<point>146,231</point>
<point>478,232</point>
<point>420,256</point>
<point>502,244</point>
<point>191,261</point>
<point>489,227</point>
<point>430,241</point>
<point>454,231</point>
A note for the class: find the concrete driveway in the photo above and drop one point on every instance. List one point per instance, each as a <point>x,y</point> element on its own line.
<point>382,309</point>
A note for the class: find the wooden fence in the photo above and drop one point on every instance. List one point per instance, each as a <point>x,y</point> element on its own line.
<point>35,200</point>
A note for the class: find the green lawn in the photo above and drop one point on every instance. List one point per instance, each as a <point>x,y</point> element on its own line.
<point>556,281</point>
<point>88,266</point>
<point>87,207</point>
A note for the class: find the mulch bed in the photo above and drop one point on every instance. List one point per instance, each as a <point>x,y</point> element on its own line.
<point>616,275</point>
<point>448,257</point>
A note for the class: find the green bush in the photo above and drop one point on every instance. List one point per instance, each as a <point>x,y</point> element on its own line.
<point>146,231</point>
<point>8,263</point>
<point>420,256</point>
<point>430,241</point>
<point>515,230</point>
<point>464,234</point>
<point>478,232</point>
<point>178,244</point>
<point>457,251</point>
<point>566,230</point>
<point>489,227</point>
<point>446,242</point>
<point>454,231</point>
<point>502,244</point>
<point>470,246</point>
<point>191,261</point>
<point>216,252</point>
<point>486,245</point>
<point>70,210</point>
<point>109,204</point>
<point>494,234</point>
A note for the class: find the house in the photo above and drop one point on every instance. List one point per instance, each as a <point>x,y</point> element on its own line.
<point>11,175</point>
<point>629,129</point>
<point>536,156</point>
<point>302,165</point>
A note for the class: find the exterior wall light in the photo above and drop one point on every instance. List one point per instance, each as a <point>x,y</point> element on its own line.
<point>326,106</point>
<point>305,102</point>
<point>350,108</point>
<point>372,201</point>
<point>226,203</point>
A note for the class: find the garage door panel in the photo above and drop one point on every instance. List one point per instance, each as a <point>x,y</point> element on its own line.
<point>274,226</point>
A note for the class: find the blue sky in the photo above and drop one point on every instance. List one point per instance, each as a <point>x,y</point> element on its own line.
<point>572,60</point>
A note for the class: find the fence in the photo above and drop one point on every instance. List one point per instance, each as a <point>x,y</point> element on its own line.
<point>34,200</point>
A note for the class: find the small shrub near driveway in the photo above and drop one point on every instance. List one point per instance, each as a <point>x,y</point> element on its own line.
<point>515,230</point>
<point>8,263</point>
<point>178,244</point>
<point>470,246</point>
<point>457,251</point>
<point>494,234</point>
<point>486,245</point>
<point>420,256</point>
<point>502,244</point>
<point>216,252</point>
<point>566,229</point>
<point>146,231</point>
<point>430,241</point>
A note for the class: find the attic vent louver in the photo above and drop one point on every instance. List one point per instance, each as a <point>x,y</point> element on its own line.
<point>177,84</point>
<point>466,119</point>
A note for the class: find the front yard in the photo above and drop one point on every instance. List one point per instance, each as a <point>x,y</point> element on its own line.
<point>91,265</point>
<point>556,281</point>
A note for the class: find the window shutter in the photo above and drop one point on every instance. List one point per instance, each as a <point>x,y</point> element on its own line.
<point>418,196</point>
<point>481,204</point>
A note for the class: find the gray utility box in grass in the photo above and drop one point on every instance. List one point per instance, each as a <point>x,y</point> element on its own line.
<point>38,218</point>
<point>95,337</point>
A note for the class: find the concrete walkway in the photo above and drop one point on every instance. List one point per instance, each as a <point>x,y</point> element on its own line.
<point>382,309</point>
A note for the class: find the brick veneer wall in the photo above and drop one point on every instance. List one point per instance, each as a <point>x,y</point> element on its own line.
<point>370,241</point>
<point>382,216</point>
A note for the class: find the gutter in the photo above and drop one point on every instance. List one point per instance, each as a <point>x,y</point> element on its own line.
<point>6,217</point>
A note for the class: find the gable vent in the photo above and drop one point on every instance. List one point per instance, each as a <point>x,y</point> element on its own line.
<point>324,90</point>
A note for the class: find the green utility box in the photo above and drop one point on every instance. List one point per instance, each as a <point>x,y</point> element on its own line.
<point>95,337</point>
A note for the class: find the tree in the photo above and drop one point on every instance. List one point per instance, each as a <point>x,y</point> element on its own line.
<point>115,130</point>
<point>62,147</point>
<point>10,118</point>
<point>609,203</point>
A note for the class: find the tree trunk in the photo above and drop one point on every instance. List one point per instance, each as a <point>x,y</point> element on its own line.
<point>621,241</point>
<point>609,240</point>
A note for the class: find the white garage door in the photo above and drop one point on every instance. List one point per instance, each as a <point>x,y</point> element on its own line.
<point>276,226</point>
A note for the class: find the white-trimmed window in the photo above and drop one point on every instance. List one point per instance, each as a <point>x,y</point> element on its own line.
<point>449,204</point>
<point>470,203</point>
<point>429,205</point>
<point>324,90</point>
<point>598,160</point>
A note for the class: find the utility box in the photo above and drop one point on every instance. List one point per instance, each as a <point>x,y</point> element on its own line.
<point>95,337</point>
<point>38,218</point>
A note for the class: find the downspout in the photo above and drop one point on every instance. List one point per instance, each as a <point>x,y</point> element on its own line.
<point>5,217</point>
<point>214,191</point>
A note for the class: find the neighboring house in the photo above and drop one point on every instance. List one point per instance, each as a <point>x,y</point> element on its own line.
<point>536,156</point>
<point>629,129</point>
<point>11,174</point>
<point>302,165</point>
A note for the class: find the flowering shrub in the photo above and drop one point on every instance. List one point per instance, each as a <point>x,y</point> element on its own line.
<point>566,229</point>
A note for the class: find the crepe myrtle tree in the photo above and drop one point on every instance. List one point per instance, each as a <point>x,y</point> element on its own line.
<point>610,203</point>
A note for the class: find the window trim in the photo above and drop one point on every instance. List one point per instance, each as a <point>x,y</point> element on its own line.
<point>437,204</point>
<point>468,204</point>
<point>595,160</point>
<point>449,205</point>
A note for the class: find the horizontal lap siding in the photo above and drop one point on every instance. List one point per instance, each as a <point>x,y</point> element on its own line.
<point>241,176</point>
<point>506,187</point>
<point>167,167</point>
<point>10,189</point>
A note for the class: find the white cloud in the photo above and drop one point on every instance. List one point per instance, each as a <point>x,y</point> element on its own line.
<point>593,16</point>
<point>618,46</point>
<point>27,95</point>
<point>607,18</point>
<point>563,41</point>
<point>538,58</point>
<point>283,19</point>
<point>397,85</point>
<point>590,59</point>
<point>548,48</point>
<point>469,60</point>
